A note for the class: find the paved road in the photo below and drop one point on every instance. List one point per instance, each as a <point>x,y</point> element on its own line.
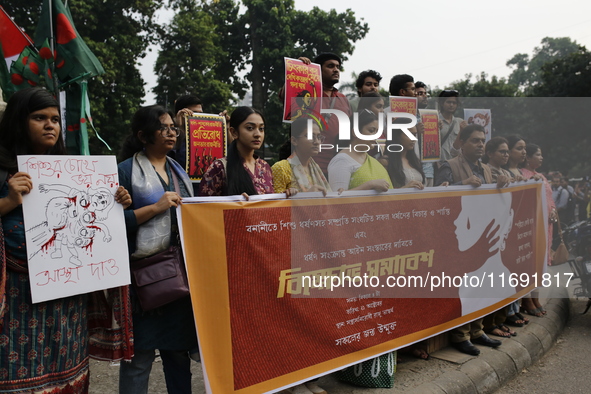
<point>565,368</point>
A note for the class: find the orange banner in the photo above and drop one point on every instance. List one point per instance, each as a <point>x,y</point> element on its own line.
<point>263,276</point>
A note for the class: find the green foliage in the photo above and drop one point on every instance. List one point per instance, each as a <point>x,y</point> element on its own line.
<point>566,77</point>
<point>527,72</point>
<point>192,49</point>
<point>209,43</point>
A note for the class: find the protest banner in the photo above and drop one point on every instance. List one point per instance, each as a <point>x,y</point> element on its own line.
<point>430,140</point>
<point>206,142</point>
<point>263,275</point>
<point>303,85</point>
<point>480,117</point>
<point>75,231</point>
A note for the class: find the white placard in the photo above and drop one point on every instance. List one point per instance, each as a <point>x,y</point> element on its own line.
<point>75,231</point>
<point>481,117</point>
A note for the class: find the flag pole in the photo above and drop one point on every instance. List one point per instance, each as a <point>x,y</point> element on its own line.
<point>52,45</point>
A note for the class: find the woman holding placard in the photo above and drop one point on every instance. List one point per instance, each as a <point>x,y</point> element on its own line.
<point>44,347</point>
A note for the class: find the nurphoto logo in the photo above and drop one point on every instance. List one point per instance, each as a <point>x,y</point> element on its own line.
<point>345,131</point>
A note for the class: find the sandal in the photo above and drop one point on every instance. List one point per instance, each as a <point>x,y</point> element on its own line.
<point>513,321</point>
<point>507,330</point>
<point>521,317</point>
<point>497,331</point>
<point>542,310</point>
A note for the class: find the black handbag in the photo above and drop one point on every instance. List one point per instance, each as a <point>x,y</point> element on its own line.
<point>161,278</point>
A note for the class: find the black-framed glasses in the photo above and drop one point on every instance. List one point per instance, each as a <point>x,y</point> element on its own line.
<point>315,137</point>
<point>166,130</point>
<point>421,93</point>
<point>504,152</point>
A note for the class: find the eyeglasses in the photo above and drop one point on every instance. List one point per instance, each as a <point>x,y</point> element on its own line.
<point>504,152</point>
<point>166,130</point>
<point>421,93</point>
<point>315,137</point>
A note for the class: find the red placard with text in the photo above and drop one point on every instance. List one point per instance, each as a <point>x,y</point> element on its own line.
<point>206,141</point>
<point>303,86</point>
<point>430,140</point>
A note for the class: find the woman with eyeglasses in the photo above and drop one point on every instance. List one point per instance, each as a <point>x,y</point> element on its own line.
<point>496,156</point>
<point>354,168</point>
<point>297,168</point>
<point>157,184</point>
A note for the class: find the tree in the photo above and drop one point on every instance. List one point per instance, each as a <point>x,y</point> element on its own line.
<point>192,49</point>
<point>566,77</point>
<point>526,73</point>
<point>291,33</point>
<point>118,33</point>
<point>259,39</point>
<point>565,84</point>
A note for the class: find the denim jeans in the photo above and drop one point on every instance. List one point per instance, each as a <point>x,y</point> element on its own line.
<point>134,375</point>
<point>513,308</point>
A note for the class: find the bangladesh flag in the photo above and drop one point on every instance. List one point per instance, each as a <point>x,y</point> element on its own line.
<point>12,42</point>
<point>73,57</point>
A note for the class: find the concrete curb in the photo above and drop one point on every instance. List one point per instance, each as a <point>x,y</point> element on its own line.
<point>493,368</point>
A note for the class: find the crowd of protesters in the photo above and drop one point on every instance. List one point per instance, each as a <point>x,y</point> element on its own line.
<point>153,184</point>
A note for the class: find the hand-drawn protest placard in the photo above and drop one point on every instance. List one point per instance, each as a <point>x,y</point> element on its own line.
<point>481,117</point>
<point>430,140</point>
<point>206,136</point>
<point>75,231</point>
<point>303,85</point>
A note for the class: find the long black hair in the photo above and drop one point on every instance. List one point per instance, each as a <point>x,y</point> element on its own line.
<point>395,167</point>
<point>146,120</point>
<point>239,180</point>
<point>15,138</point>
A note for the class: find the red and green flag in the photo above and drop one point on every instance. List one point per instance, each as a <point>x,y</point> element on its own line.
<point>72,56</point>
<point>13,40</point>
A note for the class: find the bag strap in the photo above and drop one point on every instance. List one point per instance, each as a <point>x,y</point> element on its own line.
<point>451,128</point>
<point>559,230</point>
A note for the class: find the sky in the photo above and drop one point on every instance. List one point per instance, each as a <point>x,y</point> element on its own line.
<point>439,42</point>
